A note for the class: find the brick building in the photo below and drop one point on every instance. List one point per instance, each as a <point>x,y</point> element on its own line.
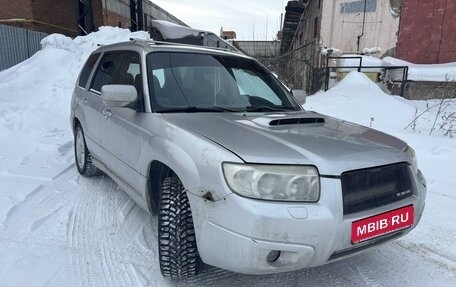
<point>62,16</point>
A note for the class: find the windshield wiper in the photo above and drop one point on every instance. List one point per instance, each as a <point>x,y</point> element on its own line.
<point>266,109</point>
<point>195,109</point>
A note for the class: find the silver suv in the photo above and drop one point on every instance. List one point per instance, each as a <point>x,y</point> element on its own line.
<point>241,177</point>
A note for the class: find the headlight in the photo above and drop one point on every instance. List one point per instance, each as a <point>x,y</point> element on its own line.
<point>411,154</point>
<point>274,182</point>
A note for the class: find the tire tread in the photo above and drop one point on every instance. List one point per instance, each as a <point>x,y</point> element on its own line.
<point>178,252</point>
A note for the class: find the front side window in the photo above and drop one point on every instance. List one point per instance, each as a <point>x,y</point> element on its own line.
<point>189,80</point>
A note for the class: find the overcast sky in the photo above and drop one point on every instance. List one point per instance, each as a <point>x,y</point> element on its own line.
<point>249,19</point>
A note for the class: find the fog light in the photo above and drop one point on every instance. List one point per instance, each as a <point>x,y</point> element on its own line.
<point>273,256</point>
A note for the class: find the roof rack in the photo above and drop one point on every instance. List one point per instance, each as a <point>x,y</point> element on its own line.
<point>153,42</point>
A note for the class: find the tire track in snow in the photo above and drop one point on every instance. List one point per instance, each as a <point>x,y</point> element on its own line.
<point>111,218</point>
<point>33,233</point>
<point>430,255</point>
<point>90,261</point>
<point>367,278</point>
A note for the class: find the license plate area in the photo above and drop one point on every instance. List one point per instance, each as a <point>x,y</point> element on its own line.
<point>381,224</point>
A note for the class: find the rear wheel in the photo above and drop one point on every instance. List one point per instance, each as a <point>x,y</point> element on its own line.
<point>82,156</point>
<point>178,252</point>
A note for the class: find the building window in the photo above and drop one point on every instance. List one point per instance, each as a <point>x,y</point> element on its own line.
<point>316,27</point>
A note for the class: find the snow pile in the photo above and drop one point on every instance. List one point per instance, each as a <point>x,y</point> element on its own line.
<point>372,50</point>
<point>332,51</point>
<point>422,72</point>
<point>171,30</point>
<point>368,105</point>
<point>363,102</point>
<point>35,137</point>
<point>367,61</point>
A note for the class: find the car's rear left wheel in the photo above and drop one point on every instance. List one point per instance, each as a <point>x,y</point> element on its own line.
<point>82,156</point>
<point>178,252</point>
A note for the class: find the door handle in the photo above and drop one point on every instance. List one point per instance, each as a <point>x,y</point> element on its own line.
<point>107,113</point>
<point>84,101</point>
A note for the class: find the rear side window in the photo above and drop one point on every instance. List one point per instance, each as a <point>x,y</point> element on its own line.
<point>88,67</point>
<point>118,68</point>
<point>106,71</point>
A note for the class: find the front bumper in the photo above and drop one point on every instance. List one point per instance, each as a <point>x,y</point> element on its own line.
<point>237,233</point>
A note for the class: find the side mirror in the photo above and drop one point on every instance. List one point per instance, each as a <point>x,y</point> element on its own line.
<point>118,95</point>
<point>299,95</point>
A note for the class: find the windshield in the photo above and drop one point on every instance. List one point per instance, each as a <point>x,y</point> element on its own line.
<point>190,82</point>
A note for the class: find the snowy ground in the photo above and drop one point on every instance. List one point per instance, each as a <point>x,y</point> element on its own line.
<point>60,229</point>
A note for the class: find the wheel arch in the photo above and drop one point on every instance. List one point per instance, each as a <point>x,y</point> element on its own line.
<point>157,172</point>
<point>75,123</point>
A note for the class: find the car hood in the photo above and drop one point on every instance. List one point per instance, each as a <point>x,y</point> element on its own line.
<point>302,137</point>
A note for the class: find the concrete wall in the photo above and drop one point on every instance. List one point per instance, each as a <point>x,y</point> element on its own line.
<point>342,22</point>
<point>425,90</point>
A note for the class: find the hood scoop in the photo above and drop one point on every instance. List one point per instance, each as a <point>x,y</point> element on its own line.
<point>296,121</point>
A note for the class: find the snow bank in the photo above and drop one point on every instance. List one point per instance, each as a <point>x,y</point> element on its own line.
<point>35,137</point>
<point>422,72</point>
<point>358,99</point>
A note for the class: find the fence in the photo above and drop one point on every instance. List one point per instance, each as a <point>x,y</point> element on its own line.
<point>296,68</point>
<point>17,44</point>
<point>360,68</point>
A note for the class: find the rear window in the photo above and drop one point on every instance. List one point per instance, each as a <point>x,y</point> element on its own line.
<point>85,73</point>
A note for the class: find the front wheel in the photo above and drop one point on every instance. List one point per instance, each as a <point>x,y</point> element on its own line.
<point>82,156</point>
<point>178,252</point>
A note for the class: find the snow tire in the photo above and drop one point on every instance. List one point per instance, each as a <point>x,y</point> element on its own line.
<point>178,253</point>
<point>82,156</point>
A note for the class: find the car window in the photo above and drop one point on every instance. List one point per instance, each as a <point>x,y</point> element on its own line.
<point>118,68</point>
<point>106,71</point>
<point>251,84</point>
<point>182,80</point>
<point>87,69</point>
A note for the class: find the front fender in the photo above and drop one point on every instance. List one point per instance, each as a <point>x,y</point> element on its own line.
<point>196,160</point>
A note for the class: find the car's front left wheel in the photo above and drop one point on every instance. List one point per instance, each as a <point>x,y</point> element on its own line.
<point>82,156</point>
<point>177,248</point>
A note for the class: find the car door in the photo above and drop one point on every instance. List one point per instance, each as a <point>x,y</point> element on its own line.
<point>121,134</point>
<point>90,106</point>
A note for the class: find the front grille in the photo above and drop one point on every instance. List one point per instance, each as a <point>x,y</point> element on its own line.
<point>373,187</point>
